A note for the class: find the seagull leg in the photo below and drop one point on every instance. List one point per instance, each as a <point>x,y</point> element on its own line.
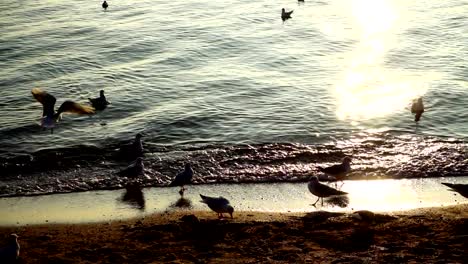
<point>316,202</point>
<point>322,201</point>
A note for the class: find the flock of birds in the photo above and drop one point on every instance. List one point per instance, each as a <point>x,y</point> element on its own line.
<point>134,151</point>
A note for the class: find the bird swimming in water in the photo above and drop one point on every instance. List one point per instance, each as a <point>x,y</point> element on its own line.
<point>321,190</point>
<point>417,108</point>
<point>183,178</point>
<point>99,103</point>
<point>135,169</point>
<point>458,187</point>
<point>105,5</point>
<point>286,15</point>
<point>132,150</point>
<point>49,116</point>
<point>10,253</point>
<point>220,205</point>
<point>338,171</point>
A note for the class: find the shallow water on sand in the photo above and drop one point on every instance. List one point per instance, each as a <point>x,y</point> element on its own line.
<point>376,195</point>
<point>231,88</point>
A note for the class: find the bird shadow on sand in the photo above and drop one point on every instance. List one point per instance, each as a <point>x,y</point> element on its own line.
<point>134,196</point>
<point>341,201</point>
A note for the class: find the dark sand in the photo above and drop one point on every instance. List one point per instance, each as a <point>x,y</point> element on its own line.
<point>435,235</point>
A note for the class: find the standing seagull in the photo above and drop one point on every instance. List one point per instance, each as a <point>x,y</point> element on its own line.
<point>99,103</point>
<point>286,15</point>
<point>338,171</point>
<point>220,205</point>
<point>10,253</point>
<point>133,170</point>
<point>321,190</point>
<point>183,178</point>
<point>132,150</point>
<point>417,108</point>
<point>105,5</point>
<point>459,188</point>
<point>49,116</point>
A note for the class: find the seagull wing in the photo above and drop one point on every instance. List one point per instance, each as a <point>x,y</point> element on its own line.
<point>47,100</point>
<point>76,108</point>
<point>460,188</point>
<point>181,179</point>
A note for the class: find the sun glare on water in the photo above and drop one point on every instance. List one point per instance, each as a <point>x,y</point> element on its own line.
<point>366,89</point>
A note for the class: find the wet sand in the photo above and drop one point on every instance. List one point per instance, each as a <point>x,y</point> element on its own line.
<point>431,235</point>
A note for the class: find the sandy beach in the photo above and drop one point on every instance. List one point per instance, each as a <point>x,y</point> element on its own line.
<point>433,235</point>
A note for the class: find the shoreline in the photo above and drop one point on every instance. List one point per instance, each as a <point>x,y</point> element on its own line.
<point>430,235</point>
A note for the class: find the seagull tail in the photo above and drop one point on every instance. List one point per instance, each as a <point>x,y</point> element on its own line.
<point>417,117</point>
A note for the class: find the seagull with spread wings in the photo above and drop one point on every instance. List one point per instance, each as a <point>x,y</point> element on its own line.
<point>50,117</point>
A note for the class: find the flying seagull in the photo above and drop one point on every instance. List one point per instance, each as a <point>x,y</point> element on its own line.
<point>338,171</point>
<point>10,253</point>
<point>133,170</point>
<point>99,103</point>
<point>459,188</point>
<point>183,178</point>
<point>132,150</point>
<point>286,15</point>
<point>105,5</point>
<point>220,205</point>
<point>417,108</point>
<point>321,190</point>
<point>49,116</point>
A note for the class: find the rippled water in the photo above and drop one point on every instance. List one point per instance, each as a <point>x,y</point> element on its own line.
<point>229,77</point>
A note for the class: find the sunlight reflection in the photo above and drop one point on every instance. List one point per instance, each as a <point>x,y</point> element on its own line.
<point>367,89</point>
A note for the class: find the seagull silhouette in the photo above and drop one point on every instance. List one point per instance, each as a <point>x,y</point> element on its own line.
<point>99,103</point>
<point>132,150</point>
<point>338,171</point>
<point>133,170</point>
<point>49,116</point>
<point>417,108</point>
<point>105,5</point>
<point>459,188</point>
<point>10,253</point>
<point>183,178</point>
<point>321,190</point>
<point>220,205</point>
<point>286,15</point>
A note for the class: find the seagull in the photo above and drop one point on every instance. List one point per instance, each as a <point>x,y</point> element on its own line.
<point>133,170</point>
<point>417,108</point>
<point>338,171</point>
<point>10,253</point>
<point>220,205</point>
<point>183,178</point>
<point>286,15</point>
<point>99,103</point>
<point>105,5</point>
<point>49,116</point>
<point>459,188</point>
<point>321,190</point>
<point>132,150</point>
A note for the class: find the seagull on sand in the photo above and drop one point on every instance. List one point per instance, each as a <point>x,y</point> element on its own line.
<point>417,108</point>
<point>132,150</point>
<point>338,171</point>
<point>133,170</point>
<point>321,190</point>
<point>183,178</point>
<point>49,116</point>
<point>105,5</point>
<point>10,253</point>
<point>99,103</point>
<point>220,205</point>
<point>286,15</point>
<point>459,188</point>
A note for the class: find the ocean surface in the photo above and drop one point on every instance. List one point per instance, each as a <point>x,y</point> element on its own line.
<point>231,88</point>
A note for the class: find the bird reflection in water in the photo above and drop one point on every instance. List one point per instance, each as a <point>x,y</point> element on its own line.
<point>134,196</point>
<point>181,203</point>
<point>340,201</point>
